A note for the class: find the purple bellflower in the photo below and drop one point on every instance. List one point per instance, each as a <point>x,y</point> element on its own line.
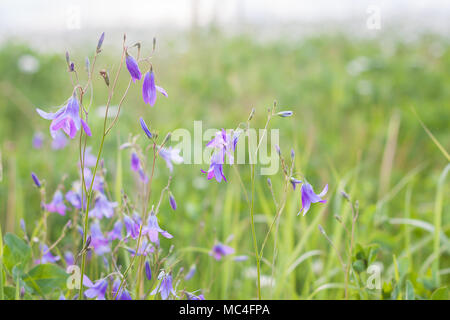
<point>103,207</point>
<point>69,258</point>
<point>98,241</point>
<point>123,294</point>
<point>153,230</point>
<point>133,68</point>
<point>136,166</point>
<point>191,272</point>
<point>66,118</point>
<point>35,180</point>
<point>164,287</point>
<point>220,250</point>
<point>89,159</point>
<point>47,256</point>
<point>97,290</point>
<point>170,156</point>
<point>132,226</point>
<point>149,89</point>
<point>116,232</point>
<point>309,196</point>
<point>57,204</point>
<point>216,168</point>
<point>74,198</point>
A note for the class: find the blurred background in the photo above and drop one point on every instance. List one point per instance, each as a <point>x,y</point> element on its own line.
<point>350,70</point>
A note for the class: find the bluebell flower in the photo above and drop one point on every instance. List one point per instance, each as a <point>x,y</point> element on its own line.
<point>47,256</point>
<point>149,89</point>
<point>74,199</point>
<point>148,271</point>
<point>66,118</point>
<point>69,258</point>
<point>172,201</point>
<point>98,290</point>
<point>191,272</point>
<point>123,293</point>
<point>309,196</point>
<point>103,207</point>
<point>220,250</point>
<point>57,204</point>
<point>165,287</point>
<point>98,241</point>
<point>116,232</point>
<point>170,156</point>
<point>152,229</point>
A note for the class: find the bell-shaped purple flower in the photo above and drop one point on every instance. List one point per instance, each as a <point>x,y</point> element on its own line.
<point>66,118</point>
<point>35,180</point>
<point>132,226</point>
<point>68,256</point>
<point>116,232</point>
<point>74,198</point>
<point>191,272</point>
<point>309,196</point>
<point>103,207</point>
<point>153,230</point>
<point>47,256</point>
<point>98,290</point>
<point>165,287</point>
<point>170,156</point>
<point>57,204</point>
<point>133,68</point>
<point>135,162</point>
<point>220,250</point>
<point>216,168</point>
<point>98,240</point>
<point>149,89</point>
<point>123,293</point>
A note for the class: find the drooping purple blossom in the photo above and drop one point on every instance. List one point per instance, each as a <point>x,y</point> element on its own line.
<point>170,156</point>
<point>98,180</point>
<point>144,248</point>
<point>165,287</point>
<point>133,68</point>
<point>116,232</point>
<point>123,293</point>
<point>38,140</point>
<point>192,296</point>
<point>220,250</point>
<point>103,207</point>
<point>132,226</point>
<point>35,180</point>
<point>309,196</point>
<point>136,166</point>
<point>47,256</point>
<point>66,118</point>
<point>98,240</point>
<point>74,198</point>
<point>152,229</point>
<point>98,290</point>
<point>149,89</point>
<point>57,204</point>
<point>216,168</point>
<point>145,128</point>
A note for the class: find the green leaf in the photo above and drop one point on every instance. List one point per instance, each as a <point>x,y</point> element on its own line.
<point>440,294</point>
<point>46,278</point>
<point>10,294</point>
<point>410,295</point>
<point>359,266</point>
<point>16,252</point>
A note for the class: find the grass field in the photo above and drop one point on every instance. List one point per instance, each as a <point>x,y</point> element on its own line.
<point>358,106</point>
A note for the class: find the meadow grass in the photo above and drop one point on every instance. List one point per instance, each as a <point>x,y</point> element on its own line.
<point>353,128</point>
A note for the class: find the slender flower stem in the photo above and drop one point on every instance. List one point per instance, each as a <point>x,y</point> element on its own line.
<point>89,193</point>
<point>255,244</point>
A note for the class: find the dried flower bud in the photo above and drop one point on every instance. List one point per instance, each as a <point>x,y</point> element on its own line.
<point>345,195</point>
<point>252,113</point>
<point>105,76</point>
<point>269,182</point>
<point>322,230</point>
<point>154,44</point>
